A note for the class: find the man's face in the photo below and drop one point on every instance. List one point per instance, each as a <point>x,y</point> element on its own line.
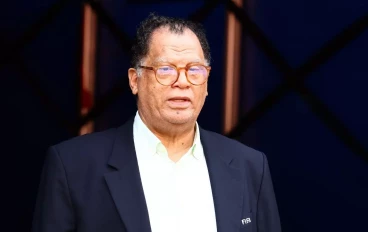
<point>181,102</point>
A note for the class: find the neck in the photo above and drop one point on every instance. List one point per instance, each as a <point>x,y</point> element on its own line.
<point>177,138</point>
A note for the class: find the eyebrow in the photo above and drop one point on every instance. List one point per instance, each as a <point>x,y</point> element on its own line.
<point>164,60</point>
<point>160,60</point>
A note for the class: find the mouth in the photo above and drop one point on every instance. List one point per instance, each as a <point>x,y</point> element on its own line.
<point>180,99</point>
<point>179,102</point>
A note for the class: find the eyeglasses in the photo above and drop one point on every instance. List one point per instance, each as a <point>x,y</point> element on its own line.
<point>168,74</point>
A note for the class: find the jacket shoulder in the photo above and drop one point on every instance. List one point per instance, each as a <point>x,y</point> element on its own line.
<point>239,150</point>
<point>86,146</point>
<point>231,143</point>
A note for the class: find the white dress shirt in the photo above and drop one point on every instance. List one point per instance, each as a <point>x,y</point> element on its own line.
<point>178,195</point>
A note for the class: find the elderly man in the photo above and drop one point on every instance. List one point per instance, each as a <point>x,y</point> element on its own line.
<point>159,171</point>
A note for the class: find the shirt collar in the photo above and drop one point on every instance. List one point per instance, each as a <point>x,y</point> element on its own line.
<point>196,149</point>
<point>151,144</point>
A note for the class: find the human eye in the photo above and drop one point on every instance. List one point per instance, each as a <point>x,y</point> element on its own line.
<point>165,70</point>
<point>196,69</point>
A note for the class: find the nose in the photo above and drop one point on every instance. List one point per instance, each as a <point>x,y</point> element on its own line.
<point>182,81</point>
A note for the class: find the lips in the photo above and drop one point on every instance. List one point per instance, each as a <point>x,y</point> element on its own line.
<point>179,102</point>
<point>180,99</point>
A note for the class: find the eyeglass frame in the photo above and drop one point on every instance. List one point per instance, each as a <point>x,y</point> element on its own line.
<point>186,68</point>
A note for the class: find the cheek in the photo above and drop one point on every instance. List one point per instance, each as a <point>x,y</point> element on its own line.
<point>204,91</point>
<point>152,95</point>
<point>201,94</point>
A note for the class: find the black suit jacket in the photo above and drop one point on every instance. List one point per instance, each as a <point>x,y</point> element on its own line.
<point>91,183</point>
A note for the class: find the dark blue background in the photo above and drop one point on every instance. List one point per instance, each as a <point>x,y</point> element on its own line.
<point>320,184</point>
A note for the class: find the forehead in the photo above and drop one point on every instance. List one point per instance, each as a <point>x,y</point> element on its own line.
<point>166,45</point>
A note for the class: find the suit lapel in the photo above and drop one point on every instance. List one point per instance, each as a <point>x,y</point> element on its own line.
<point>227,183</point>
<point>125,183</point>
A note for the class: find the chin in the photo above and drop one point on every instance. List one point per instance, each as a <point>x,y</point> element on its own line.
<point>179,116</point>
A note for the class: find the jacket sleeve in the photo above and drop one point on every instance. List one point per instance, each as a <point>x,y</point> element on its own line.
<point>53,209</point>
<point>268,219</point>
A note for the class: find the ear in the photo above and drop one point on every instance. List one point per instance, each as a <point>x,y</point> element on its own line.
<point>133,80</point>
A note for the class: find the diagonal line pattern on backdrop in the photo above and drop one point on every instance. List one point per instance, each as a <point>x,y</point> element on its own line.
<point>294,78</point>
